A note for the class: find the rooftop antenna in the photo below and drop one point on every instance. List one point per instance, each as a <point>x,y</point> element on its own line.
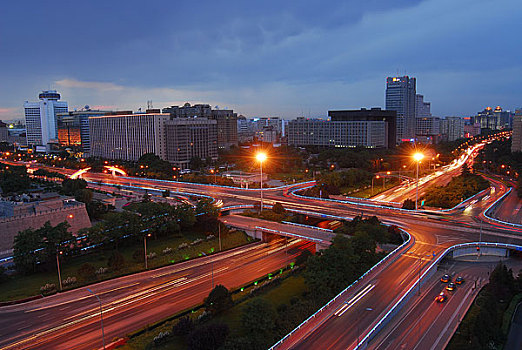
<point>149,104</point>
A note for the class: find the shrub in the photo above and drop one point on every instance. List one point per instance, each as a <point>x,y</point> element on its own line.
<point>87,272</point>
<point>48,288</point>
<point>182,246</point>
<point>102,271</point>
<point>210,336</point>
<point>184,326</point>
<point>197,241</point>
<point>69,281</point>
<point>218,300</point>
<point>116,261</point>
<point>151,256</point>
<point>167,251</point>
<point>161,338</point>
<point>138,255</point>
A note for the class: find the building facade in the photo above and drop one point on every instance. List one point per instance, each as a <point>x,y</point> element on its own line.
<point>400,97</point>
<point>516,138</point>
<point>41,118</point>
<point>452,128</point>
<point>186,138</point>
<point>73,128</point>
<point>226,120</point>
<point>428,129</point>
<point>128,136</point>
<point>350,128</point>
<point>493,119</point>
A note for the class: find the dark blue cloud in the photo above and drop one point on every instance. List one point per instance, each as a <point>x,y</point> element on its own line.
<point>243,50</point>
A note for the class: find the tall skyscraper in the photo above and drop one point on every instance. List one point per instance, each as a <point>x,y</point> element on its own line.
<point>400,97</point>
<point>516,138</point>
<point>41,120</point>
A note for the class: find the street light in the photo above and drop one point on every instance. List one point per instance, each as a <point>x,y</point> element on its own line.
<point>212,271</point>
<point>101,315</point>
<point>145,248</point>
<point>261,157</point>
<point>58,253</point>
<point>376,177</point>
<point>418,157</point>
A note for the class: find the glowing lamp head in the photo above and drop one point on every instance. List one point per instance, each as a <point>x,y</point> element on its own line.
<point>418,157</point>
<point>261,157</point>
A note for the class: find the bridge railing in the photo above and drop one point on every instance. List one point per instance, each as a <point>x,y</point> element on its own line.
<point>392,256</point>
<point>411,291</point>
<point>489,211</point>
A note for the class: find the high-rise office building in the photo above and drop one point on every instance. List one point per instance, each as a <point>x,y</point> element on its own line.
<point>41,118</point>
<point>452,128</point>
<point>127,136</point>
<point>186,138</point>
<point>494,119</point>
<point>73,128</point>
<point>400,97</point>
<point>422,108</point>
<point>516,138</point>
<point>226,120</point>
<point>351,128</point>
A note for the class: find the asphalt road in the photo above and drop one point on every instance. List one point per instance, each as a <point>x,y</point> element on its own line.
<point>378,290</point>
<point>70,320</point>
<point>426,324</point>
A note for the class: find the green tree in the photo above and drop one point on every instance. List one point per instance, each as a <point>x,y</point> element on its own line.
<point>205,206</point>
<point>87,272</point>
<point>116,261</point>
<point>71,186</point>
<point>218,300</point>
<point>258,320</point>
<point>408,204</point>
<point>278,208</point>
<point>84,195</point>
<point>208,337</point>
<point>26,257</point>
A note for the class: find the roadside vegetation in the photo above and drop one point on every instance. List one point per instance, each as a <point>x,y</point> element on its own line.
<point>114,246</point>
<point>497,158</point>
<point>459,188</point>
<point>486,324</point>
<point>258,317</point>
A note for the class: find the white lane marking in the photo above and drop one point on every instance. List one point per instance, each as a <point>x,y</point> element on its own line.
<point>347,305</point>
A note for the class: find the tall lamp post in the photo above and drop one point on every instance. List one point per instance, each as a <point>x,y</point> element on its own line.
<point>101,315</point>
<point>58,253</point>
<point>145,249</point>
<point>376,177</point>
<point>418,157</point>
<point>261,157</point>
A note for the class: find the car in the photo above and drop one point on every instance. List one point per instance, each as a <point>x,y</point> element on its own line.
<point>459,280</point>
<point>451,286</point>
<point>446,278</point>
<point>441,297</point>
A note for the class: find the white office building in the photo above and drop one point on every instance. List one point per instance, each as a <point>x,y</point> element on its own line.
<point>128,136</point>
<point>41,120</point>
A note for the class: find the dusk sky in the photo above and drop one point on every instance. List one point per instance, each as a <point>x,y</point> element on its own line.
<point>277,58</point>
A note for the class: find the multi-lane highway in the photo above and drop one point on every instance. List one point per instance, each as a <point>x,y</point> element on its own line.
<point>366,302</point>
<point>71,320</point>
<point>426,324</point>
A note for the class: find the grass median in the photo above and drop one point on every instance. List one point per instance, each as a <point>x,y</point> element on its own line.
<point>23,286</point>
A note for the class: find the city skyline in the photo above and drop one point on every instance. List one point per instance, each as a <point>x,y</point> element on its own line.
<point>283,60</point>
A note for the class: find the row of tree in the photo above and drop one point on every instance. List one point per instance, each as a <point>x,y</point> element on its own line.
<point>261,323</point>
<point>459,188</point>
<point>35,249</point>
<point>482,328</point>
